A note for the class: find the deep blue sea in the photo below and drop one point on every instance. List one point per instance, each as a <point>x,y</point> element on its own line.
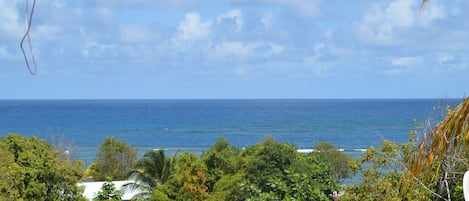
<point>194,125</point>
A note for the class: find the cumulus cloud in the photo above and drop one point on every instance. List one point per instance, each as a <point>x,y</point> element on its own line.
<point>235,15</point>
<point>192,28</point>
<point>382,23</point>
<point>379,24</point>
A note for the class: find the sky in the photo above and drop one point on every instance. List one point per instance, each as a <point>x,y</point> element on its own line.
<point>194,49</point>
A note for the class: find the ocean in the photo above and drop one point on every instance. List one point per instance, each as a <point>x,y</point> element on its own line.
<point>194,125</point>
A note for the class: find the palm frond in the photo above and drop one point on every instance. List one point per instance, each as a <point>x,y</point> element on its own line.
<point>423,4</point>
<point>151,170</point>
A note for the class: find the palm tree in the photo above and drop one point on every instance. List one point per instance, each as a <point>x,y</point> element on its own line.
<point>443,150</point>
<point>151,170</point>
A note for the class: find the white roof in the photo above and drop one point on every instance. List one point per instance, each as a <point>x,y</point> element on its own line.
<point>92,188</point>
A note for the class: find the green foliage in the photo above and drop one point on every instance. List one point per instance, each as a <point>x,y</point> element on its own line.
<point>458,194</point>
<point>339,160</point>
<point>268,160</point>
<point>265,171</point>
<point>275,171</point>
<point>108,192</point>
<point>221,159</point>
<point>158,195</point>
<point>295,187</point>
<point>31,169</point>
<point>228,188</point>
<point>189,179</point>
<point>114,159</point>
<point>151,170</point>
<point>381,175</point>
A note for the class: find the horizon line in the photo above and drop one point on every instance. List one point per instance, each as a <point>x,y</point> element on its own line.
<point>179,99</point>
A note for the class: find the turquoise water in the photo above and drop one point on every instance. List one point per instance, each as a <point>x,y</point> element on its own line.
<point>194,125</point>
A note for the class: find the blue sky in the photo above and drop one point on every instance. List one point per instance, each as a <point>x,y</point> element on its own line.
<point>95,49</point>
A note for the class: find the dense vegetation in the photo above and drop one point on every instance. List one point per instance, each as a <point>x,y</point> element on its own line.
<point>32,169</point>
<point>265,171</point>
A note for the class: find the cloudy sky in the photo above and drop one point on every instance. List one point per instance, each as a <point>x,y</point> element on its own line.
<point>87,49</point>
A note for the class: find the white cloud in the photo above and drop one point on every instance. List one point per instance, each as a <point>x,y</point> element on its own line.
<point>96,50</point>
<point>5,53</point>
<point>60,4</point>
<point>382,24</point>
<point>192,29</point>
<point>405,64</point>
<point>444,58</point>
<point>268,20</point>
<point>379,24</point>
<point>274,49</point>
<point>46,32</point>
<point>316,61</point>
<point>237,50</point>
<point>431,13</point>
<point>318,68</point>
<point>10,21</point>
<point>318,47</point>
<point>406,61</point>
<point>234,15</point>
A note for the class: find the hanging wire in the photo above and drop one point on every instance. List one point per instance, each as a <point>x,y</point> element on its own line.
<point>28,18</point>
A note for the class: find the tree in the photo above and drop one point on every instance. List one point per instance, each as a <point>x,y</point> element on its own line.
<point>275,171</point>
<point>114,159</point>
<point>339,160</point>
<point>221,159</point>
<point>108,192</point>
<point>296,186</point>
<point>31,169</point>
<point>189,180</point>
<point>151,170</point>
<point>380,170</point>
<point>268,160</point>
